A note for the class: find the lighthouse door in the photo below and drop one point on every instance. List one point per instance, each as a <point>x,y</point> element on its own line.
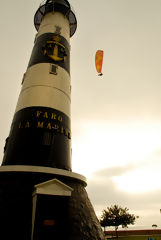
<point>50,211</point>
<point>51,219</point>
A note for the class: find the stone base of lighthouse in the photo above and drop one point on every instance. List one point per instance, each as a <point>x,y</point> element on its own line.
<point>38,203</point>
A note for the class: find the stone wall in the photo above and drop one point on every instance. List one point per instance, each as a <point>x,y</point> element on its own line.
<point>83,223</point>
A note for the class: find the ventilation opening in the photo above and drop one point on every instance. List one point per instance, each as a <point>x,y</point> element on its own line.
<point>53,69</point>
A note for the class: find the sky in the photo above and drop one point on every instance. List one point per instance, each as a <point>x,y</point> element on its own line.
<point>116,118</point>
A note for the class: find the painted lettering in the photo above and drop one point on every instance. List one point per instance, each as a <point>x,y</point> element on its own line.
<point>40,124</point>
<point>60,119</point>
<point>20,125</point>
<point>45,115</point>
<point>56,127</point>
<point>38,113</point>
<point>49,126</point>
<point>53,116</point>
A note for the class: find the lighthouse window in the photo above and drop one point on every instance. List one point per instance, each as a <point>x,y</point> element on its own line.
<point>53,69</point>
<point>47,138</point>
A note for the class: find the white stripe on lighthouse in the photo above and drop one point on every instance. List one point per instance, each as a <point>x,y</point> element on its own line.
<point>50,23</point>
<point>40,88</point>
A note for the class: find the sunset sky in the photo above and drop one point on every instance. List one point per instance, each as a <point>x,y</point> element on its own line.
<point>116,118</point>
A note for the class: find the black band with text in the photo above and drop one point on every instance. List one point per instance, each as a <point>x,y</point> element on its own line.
<point>39,136</point>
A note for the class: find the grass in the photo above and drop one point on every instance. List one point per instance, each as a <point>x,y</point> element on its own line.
<point>155,237</point>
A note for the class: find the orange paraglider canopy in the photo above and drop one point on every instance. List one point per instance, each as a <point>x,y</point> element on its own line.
<point>99,61</point>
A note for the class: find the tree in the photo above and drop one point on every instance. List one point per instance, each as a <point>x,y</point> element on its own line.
<point>154,226</point>
<point>116,216</point>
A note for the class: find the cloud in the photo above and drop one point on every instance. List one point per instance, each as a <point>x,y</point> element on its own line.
<point>103,189</point>
<point>103,192</point>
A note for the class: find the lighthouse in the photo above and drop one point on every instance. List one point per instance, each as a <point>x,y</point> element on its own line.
<point>41,129</point>
<point>40,196</point>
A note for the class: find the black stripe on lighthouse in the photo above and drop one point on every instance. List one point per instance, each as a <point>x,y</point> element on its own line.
<point>39,136</point>
<point>51,48</point>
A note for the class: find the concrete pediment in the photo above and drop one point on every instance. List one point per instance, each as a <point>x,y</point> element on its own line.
<point>53,187</point>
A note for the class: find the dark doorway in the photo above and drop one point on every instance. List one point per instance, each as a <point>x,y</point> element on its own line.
<point>51,218</point>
